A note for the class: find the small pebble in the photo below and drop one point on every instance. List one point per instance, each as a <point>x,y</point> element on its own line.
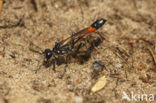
<point>78,99</point>
<point>97,66</point>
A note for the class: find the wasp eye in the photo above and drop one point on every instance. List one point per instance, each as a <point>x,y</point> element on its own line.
<point>48,53</point>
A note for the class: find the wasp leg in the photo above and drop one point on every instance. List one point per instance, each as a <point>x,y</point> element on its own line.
<point>38,67</point>
<point>66,65</point>
<point>74,42</point>
<point>63,71</point>
<point>95,43</point>
<point>77,50</point>
<point>53,62</point>
<point>100,34</point>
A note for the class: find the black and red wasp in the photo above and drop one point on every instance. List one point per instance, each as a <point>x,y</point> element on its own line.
<point>69,46</point>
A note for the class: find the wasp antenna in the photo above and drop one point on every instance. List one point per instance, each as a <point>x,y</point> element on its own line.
<point>34,48</point>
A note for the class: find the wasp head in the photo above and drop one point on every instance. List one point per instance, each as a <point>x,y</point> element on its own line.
<point>48,53</point>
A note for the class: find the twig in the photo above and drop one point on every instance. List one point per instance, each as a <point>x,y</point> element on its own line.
<point>19,23</point>
<point>152,53</point>
<point>1,3</point>
<point>36,3</point>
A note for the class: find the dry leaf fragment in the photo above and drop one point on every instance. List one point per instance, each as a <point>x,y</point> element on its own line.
<point>99,84</point>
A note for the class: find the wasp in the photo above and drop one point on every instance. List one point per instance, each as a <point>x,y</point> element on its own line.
<point>70,47</point>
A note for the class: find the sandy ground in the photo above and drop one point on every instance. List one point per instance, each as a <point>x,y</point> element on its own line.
<point>129,66</point>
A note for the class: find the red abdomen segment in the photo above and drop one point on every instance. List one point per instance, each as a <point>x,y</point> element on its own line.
<point>96,25</point>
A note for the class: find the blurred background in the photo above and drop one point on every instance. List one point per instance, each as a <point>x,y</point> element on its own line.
<point>128,51</point>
